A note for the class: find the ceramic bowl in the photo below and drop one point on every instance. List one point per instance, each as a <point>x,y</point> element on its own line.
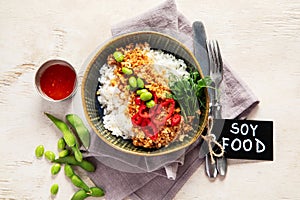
<point>92,109</point>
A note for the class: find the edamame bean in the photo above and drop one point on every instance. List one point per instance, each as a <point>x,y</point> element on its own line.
<point>132,82</point>
<point>80,195</point>
<point>63,127</point>
<point>140,83</point>
<point>76,180</point>
<point>39,151</point>
<point>63,153</point>
<point>146,96</point>
<point>61,144</point>
<point>118,56</point>
<point>150,104</point>
<point>55,168</point>
<point>139,92</point>
<point>96,192</point>
<point>69,172</point>
<point>54,189</point>
<point>50,155</point>
<point>127,71</point>
<point>77,153</point>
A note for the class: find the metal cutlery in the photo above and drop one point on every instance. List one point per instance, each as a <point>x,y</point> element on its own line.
<point>216,74</point>
<point>207,61</point>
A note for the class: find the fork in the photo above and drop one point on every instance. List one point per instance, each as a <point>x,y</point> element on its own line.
<point>216,74</point>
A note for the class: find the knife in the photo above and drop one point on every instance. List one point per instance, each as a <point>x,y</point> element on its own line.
<point>201,54</point>
<point>200,48</point>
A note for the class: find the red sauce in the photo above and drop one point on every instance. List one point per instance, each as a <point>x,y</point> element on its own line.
<point>58,81</point>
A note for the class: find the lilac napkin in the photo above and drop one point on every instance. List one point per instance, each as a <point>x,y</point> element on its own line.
<point>237,100</point>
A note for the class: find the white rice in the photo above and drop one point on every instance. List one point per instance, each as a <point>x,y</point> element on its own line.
<point>116,118</point>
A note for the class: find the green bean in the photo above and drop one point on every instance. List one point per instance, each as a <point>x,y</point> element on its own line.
<point>55,168</point>
<point>61,144</point>
<point>39,151</point>
<point>140,83</point>
<point>76,180</point>
<point>54,189</point>
<point>69,172</point>
<point>96,192</point>
<point>63,127</point>
<point>150,104</point>
<point>127,71</point>
<point>118,56</point>
<point>50,155</point>
<point>81,130</point>
<point>63,153</point>
<point>80,195</point>
<point>145,96</point>
<point>84,164</point>
<point>132,82</point>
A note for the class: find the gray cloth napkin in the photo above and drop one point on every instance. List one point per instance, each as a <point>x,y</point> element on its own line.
<point>237,100</point>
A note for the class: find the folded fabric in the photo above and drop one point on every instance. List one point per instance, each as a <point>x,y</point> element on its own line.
<point>237,101</point>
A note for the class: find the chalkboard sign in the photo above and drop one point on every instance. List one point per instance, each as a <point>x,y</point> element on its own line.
<point>245,139</point>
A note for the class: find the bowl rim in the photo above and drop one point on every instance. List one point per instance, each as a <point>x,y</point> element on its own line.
<point>147,154</point>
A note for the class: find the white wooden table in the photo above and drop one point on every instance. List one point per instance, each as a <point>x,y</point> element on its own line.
<point>260,40</point>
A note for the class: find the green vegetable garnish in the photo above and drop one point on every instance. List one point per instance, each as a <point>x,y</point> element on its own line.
<point>118,56</point>
<point>188,92</point>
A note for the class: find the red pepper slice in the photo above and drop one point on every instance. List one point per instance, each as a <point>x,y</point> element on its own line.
<point>145,122</point>
<point>143,111</point>
<point>138,100</point>
<point>136,119</point>
<point>154,97</point>
<point>151,131</point>
<point>175,120</point>
<point>154,137</point>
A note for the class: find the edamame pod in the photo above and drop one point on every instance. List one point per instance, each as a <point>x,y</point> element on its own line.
<point>63,127</point>
<point>86,165</point>
<point>69,172</point>
<point>61,144</point>
<point>80,195</point>
<point>96,192</point>
<point>77,153</point>
<point>63,153</point>
<point>81,130</point>
<point>76,180</point>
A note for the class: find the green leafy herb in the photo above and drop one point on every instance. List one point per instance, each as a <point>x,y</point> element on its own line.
<point>188,92</point>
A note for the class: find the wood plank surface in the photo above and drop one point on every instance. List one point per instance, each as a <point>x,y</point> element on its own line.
<point>259,39</point>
